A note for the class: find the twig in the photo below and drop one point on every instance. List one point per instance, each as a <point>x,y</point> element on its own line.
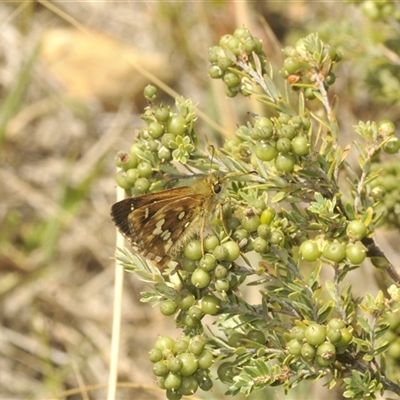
<point>359,366</point>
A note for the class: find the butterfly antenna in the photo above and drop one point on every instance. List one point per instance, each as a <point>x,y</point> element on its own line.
<point>212,151</point>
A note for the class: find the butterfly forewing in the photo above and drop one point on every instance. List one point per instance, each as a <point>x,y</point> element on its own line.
<point>121,210</point>
<point>159,224</point>
<point>160,229</point>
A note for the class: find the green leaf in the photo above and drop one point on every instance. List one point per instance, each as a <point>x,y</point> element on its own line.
<point>381,348</point>
<point>363,323</point>
<point>313,282</point>
<point>381,329</point>
<point>279,197</point>
<point>362,345</point>
<point>331,288</point>
<point>326,310</point>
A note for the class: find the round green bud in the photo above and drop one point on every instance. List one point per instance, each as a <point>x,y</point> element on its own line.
<point>221,285</point>
<point>392,146</point>
<point>144,169</point>
<point>160,368</point>
<point>310,251</point>
<point>221,272</point>
<point>205,359</point>
<point>205,384</point>
<point>315,334</point>
<point>127,161</point>
<point>195,313</point>
<point>189,364</point>
<point>309,93</point>
<point>297,333</point>
<point>260,244</point>
<point>231,79</point>
<point>185,300</point>
<point>335,323</point>
<point>307,352</point>
<point>172,381</point>
<point>334,251</point>
<point>193,250</point>
<point>255,335</point>
<point>210,304</point>
<point>225,372</point>
<point>330,78</point>
<point>174,364</point>
<point>292,65</point>
<point>266,151</point>
<point>181,345</point>
<point>173,395</point>
<point>200,278</point>
<point>155,129</point>
<point>288,131</point>
<point>356,230</point>
<point>294,347</point>
<point>162,114</point>
<point>285,162</point>
<point>215,71</point>
<point>221,253</point>
<point>233,250</point>
<point>250,222</point>
<point>150,93</point>
<point>263,230</point>
<point>168,307</point>
<point>210,242</point>
<point>326,354</point>
<point>132,175</point>
<point>386,128</point>
<point>197,344</point>
<point>164,343</point>
<point>356,253</point>
<point>189,322</point>
<point>300,145</point>
<point>267,216</point>
<point>188,386</point>
<point>155,355</point>
<point>122,181</point>
<point>208,262</point>
<point>333,335</point>
<point>141,186</point>
<point>189,265</point>
<point>284,145</point>
<point>164,154</point>
<point>263,122</point>
<point>176,125</point>
<point>277,237</point>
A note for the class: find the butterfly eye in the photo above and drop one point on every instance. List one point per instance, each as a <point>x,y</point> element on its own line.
<point>217,188</point>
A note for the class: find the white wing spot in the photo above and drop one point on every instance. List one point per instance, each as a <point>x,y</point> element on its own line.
<point>166,235</point>
<point>146,213</point>
<point>158,230</point>
<point>181,215</point>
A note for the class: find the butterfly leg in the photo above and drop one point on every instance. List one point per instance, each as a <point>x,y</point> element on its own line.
<point>201,235</point>
<point>221,217</point>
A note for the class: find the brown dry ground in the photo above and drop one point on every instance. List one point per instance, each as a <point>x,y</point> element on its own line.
<point>70,97</point>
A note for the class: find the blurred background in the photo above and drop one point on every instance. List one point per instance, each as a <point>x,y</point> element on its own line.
<point>71,81</point>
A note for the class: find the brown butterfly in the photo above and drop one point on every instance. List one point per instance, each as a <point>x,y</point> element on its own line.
<point>159,224</point>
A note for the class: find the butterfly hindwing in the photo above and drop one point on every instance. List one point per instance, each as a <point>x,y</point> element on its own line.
<point>121,210</point>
